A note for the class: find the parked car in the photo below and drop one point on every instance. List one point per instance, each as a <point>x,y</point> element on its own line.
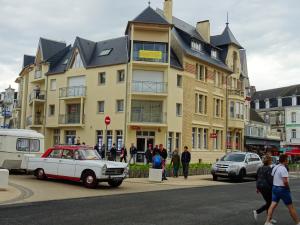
<point>236,165</point>
<point>76,163</point>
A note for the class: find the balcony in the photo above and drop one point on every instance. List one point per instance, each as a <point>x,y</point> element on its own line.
<point>38,74</point>
<point>70,119</point>
<point>72,92</point>
<point>152,52</point>
<point>37,95</point>
<point>17,104</point>
<point>36,121</point>
<point>148,117</point>
<point>149,87</point>
<point>236,92</point>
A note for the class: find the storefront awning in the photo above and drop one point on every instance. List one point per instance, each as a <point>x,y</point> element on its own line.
<point>294,152</point>
<point>263,142</point>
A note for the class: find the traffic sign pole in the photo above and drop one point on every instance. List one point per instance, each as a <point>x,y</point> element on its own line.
<point>107,122</point>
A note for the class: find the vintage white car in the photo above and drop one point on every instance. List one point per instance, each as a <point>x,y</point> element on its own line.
<point>76,163</point>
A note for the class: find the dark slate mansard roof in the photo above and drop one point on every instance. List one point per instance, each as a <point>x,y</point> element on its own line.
<point>149,15</point>
<point>28,60</point>
<point>49,48</point>
<point>225,38</point>
<point>89,52</point>
<point>277,92</point>
<point>184,32</point>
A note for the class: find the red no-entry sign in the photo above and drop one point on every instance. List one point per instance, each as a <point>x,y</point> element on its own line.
<point>107,120</point>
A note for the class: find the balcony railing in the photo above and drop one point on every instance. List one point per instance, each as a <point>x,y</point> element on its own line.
<point>38,74</point>
<point>70,119</point>
<point>37,95</point>
<point>74,91</point>
<point>29,120</point>
<point>236,92</point>
<point>148,117</point>
<point>150,56</point>
<point>149,87</point>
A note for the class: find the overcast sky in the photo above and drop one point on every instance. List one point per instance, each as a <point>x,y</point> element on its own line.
<point>267,29</point>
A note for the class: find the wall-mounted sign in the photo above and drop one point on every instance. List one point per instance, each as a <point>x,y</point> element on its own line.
<point>213,135</point>
<point>146,54</point>
<point>135,127</point>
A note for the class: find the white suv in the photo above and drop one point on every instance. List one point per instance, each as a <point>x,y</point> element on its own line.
<point>236,165</point>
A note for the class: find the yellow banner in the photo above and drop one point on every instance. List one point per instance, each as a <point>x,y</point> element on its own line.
<point>146,54</point>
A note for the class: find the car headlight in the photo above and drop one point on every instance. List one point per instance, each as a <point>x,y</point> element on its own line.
<point>104,169</point>
<point>233,167</point>
<point>126,170</point>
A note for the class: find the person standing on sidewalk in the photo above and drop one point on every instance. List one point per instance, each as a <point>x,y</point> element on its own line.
<point>133,152</point>
<point>113,153</point>
<point>264,185</point>
<point>281,190</point>
<point>185,161</point>
<point>175,162</point>
<point>164,155</point>
<point>123,155</point>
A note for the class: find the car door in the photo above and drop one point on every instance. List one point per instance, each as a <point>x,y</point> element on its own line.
<point>50,164</point>
<point>66,165</point>
<point>249,164</point>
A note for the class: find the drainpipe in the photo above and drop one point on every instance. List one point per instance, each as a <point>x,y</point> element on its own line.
<point>227,114</point>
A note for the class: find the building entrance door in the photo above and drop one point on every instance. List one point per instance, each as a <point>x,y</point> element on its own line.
<point>143,140</point>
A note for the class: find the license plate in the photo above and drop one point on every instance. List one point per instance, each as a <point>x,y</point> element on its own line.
<point>221,169</point>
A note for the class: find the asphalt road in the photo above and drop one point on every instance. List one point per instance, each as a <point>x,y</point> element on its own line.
<point>218,205</point>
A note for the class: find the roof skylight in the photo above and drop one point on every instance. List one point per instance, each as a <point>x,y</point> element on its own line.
<point>105,52</point>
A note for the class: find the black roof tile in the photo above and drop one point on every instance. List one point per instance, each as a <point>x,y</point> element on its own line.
<point>50,48</point>
<point>254,116</point>
<point>149,15</point>
<point>277,92</point>
<point>28,60</point>
<point>225,38</point>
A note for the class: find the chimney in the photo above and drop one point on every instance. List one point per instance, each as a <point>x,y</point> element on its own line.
<point>203,28</point>
<point>168,10</point>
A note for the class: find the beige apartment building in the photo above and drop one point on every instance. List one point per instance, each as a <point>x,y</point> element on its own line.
<point>163,82</point>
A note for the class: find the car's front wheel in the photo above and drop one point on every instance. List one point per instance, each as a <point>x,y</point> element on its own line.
<point>40,174</point>
<point>242,174</point>
<point>215,177</point>
<point>90,180</point>
<point>115,183</point>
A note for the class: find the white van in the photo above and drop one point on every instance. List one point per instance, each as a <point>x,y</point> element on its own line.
<point>14,143</point>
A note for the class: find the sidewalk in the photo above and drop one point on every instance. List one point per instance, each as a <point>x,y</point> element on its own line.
<point>26,188</point>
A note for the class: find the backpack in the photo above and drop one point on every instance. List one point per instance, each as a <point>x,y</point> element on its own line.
<point>157,163</point>
<point>262,179</point>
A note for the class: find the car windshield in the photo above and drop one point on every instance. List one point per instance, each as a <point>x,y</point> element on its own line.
<point>86,154</point>
<point>234,158</point>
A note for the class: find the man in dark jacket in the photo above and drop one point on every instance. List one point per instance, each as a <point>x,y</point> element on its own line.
<point>133,152</point>
<point>113,153</point>
<point>164,155</point>
<point>148,154</point>
<point>185,161</point>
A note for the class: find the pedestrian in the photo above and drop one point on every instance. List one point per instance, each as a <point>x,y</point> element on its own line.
<point>37,91</point>
<point>133,152</point>
<point>113,153</point>
<point>175,162</point>
<point>264,185</point>
<point>123,155</point>
<point>185,161</point>
<point>164,154</point>
<point>102,151</point>
<point>157,161</point>
<point>148,154</point>
<point>281,190</point>
<point>155,149</point>
<point>96,147</point>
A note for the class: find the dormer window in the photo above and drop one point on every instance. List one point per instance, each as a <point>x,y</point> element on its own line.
<point>105,52</point>
<point>196,46</point>
<point>65,62</point>
<point>214,53</point>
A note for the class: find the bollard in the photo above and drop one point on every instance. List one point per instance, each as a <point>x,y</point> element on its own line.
<point>4,173</point>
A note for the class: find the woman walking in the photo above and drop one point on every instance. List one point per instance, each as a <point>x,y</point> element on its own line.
<point>175,162</point>
<point>264,185</point>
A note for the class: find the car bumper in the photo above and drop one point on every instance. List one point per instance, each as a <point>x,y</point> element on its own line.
<point>224,173</point>
<point>112,177</point>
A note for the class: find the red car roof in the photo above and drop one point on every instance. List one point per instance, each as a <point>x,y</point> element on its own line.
<point>65,147</point>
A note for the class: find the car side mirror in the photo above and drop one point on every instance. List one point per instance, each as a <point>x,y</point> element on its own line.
<point>247,161</point>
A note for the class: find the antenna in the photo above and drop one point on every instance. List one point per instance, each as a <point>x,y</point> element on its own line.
<point>149,3</point>
<point>227,23</point>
